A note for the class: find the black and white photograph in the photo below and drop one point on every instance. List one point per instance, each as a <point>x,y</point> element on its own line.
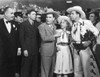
<point>49,38</point>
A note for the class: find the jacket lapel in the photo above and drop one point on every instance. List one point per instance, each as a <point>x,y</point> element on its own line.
<point>49,29</point>
<point>13,28</point>
<point>30,26</point>
<point>5,29</point>
<point>54,29</point>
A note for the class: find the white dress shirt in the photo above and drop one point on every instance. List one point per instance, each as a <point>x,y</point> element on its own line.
<point>51,26</point>
<point>8,25</point>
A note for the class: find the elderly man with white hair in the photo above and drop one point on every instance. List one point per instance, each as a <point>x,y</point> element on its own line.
<point>82,33</point>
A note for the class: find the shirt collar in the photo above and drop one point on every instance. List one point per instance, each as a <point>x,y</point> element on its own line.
<point>5,20</point>
<point>30,21</point>
<point>79,21</point>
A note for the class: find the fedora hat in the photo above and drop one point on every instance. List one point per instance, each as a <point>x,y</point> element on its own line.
<point>93,11</point>
<point>51,11</point>
<point>40,12</point>
<point>29,10</point>
<point>60,18</point>
<point>78,9</point>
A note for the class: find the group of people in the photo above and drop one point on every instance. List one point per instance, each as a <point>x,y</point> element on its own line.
<point>60,45</point>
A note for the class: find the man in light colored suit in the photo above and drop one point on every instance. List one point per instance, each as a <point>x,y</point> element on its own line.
<point>47,32</point>
<point>83,32</point>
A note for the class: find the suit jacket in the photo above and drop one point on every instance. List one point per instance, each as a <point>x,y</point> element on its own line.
<point>47,39</point>
<point>29,37</point>
<point>8,41</point>
<point>18,27</point>
<point>8,49</point>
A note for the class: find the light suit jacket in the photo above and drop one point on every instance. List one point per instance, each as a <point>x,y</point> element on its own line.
<point>47,39</point>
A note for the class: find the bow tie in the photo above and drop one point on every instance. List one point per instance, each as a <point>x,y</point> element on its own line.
<point>8,22</point>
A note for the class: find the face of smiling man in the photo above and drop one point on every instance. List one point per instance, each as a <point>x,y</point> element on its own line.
<point>50,18</point>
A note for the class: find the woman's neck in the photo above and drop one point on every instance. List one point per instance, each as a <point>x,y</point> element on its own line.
<point>64,29</point>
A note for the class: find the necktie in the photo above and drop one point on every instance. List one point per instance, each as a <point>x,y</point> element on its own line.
<point>8,22</point>
<point>51,26</point>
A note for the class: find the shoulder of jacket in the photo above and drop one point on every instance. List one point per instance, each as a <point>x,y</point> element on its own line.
<point>42,25</point>
<point>24,23</point>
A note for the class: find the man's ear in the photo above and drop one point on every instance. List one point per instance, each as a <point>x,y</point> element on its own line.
<point>28,15</point>
<point>54,18</point>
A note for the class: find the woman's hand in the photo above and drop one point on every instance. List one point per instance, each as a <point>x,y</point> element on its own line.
<point>57,35</point>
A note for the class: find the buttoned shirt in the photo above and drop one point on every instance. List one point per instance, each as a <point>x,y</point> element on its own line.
<point>8,25</point>
<point>51,26</point>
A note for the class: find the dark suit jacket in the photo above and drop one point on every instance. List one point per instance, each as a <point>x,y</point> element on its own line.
<point>8,47</point>
<point>29,37</point>
<point>18,27</point>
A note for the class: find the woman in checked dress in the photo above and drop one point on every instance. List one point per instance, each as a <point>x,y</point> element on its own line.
<point>64,59</point>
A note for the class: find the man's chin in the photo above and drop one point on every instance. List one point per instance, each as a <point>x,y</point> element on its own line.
<point>48,23</point>
<point>11,19</point>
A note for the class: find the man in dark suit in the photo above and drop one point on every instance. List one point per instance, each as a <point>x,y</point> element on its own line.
<point>8,44</point>
<point>28,38</point>
<point>18,20</point>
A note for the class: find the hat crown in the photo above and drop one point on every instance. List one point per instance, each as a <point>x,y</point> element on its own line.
<point>40,12</point>
<point>50,10</point>
<point>63,17</point>
<point>60,18</point>
<point>30,8</point>
<point>78,7</point>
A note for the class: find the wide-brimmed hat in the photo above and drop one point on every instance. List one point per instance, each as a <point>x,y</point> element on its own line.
<point>78,9</point>
<point>51,11</point>
<point>94,11</point>
<point>60,18</point>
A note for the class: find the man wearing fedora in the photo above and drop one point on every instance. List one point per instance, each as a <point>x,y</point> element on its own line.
<point>47,33</point>
<point>29,43</point>
<point>83,32</point>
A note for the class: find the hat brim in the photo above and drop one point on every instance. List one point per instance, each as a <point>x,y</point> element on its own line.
<point>78,10</point>
<point>56,15</point>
